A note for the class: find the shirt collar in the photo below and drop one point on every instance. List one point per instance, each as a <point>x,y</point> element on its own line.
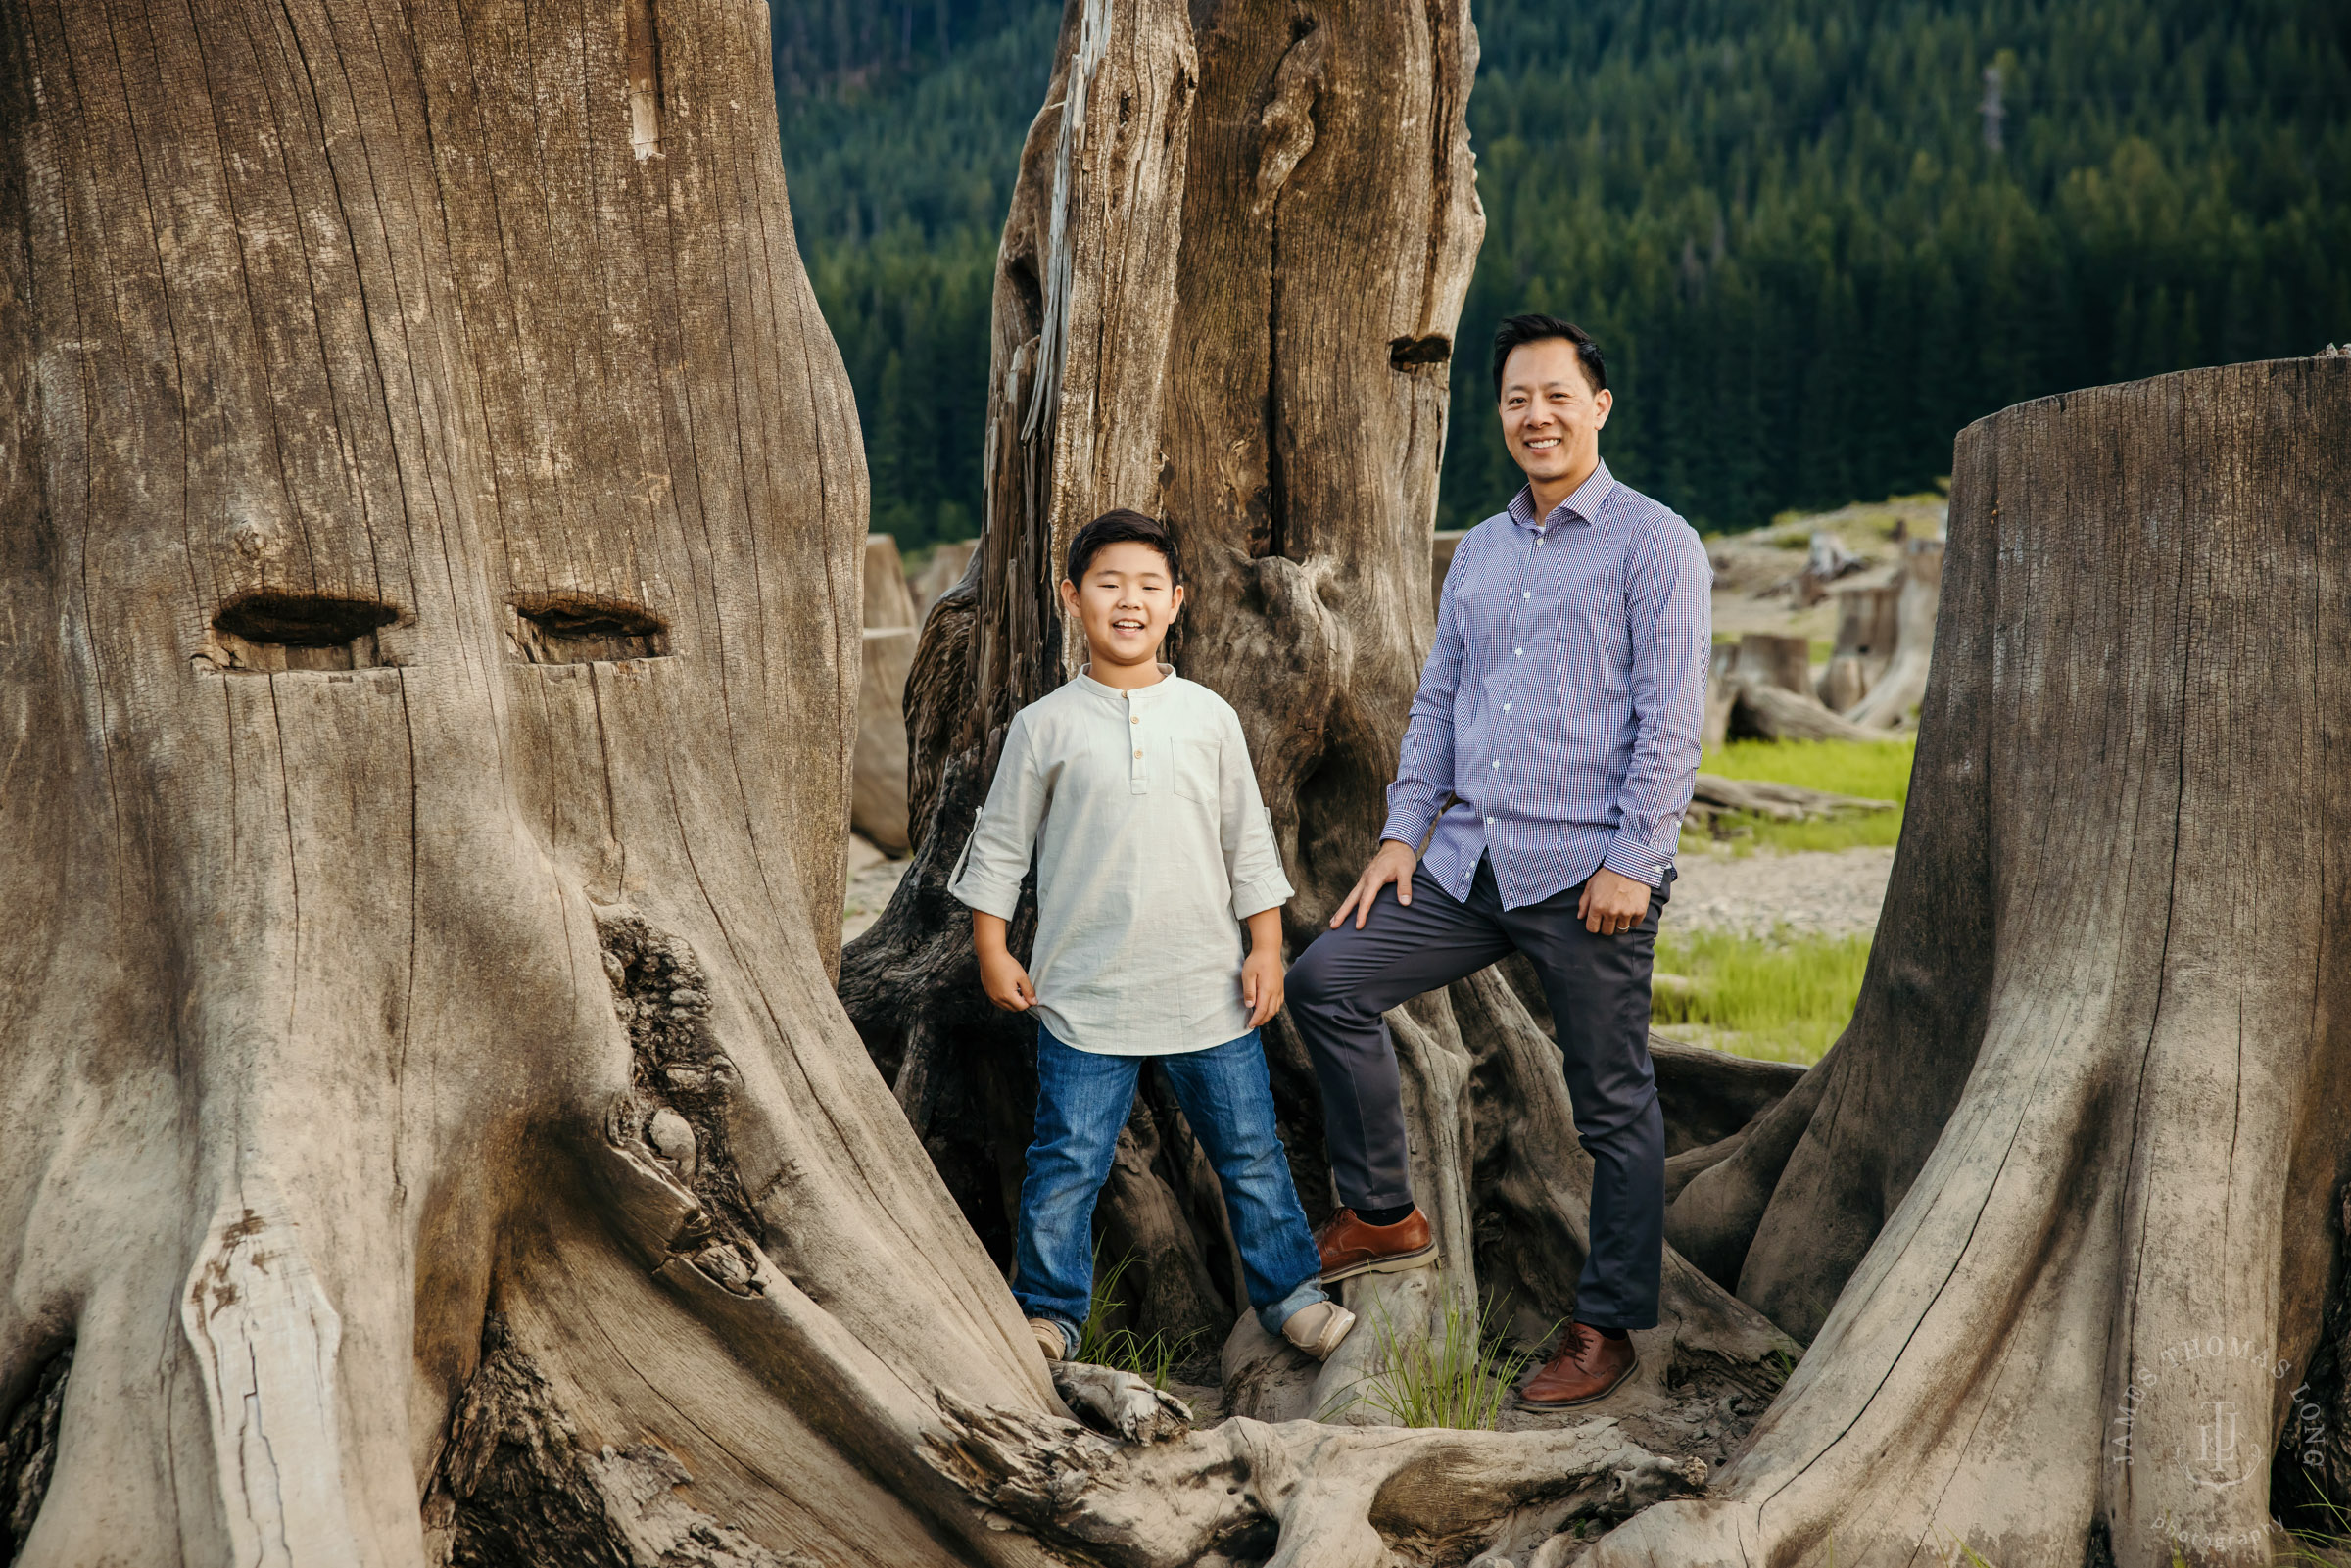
<point>1167,674</point>
<point>1583,504</point>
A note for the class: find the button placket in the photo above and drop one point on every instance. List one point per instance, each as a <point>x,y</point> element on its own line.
<point>1139,766</point>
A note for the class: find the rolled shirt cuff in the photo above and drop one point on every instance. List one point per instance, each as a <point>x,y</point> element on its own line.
<point>988,896</point>
<point>1629,857</point>
<point>1255,898</point>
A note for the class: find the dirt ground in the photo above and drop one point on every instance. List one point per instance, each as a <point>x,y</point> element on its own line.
<point>1832,893</point>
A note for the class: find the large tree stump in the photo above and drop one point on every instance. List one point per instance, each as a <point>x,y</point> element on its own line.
<point>877,796</point>
<point>1867,629</point>
<point>2056,1211</point>
<point>1903,683</point>
<point>1764,688</point>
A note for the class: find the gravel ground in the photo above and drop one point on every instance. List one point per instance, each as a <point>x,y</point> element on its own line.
<point>871,880</point>
<point>1834,893</point>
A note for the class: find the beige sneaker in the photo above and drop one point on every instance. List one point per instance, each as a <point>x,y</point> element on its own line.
<point>1319,1329</point>
<point>1051,1341</point>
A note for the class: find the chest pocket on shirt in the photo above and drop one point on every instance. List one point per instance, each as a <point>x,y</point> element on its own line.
<point>1194,767</point>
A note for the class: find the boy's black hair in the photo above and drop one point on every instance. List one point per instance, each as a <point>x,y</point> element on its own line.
<point>1123,527</point>
<point>1520,330</point>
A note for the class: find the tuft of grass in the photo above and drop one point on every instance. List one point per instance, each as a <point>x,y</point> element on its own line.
<point>1123,1349</point>
<point>2327,1545</point>
<point>1455,1378</point>
<point>1962,1552</point>
<point>1784,998</point>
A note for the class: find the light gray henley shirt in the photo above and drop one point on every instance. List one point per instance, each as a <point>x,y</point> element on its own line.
<point>1152,846</point>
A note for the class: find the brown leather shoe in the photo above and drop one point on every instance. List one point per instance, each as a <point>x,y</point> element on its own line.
<point>1588,1367</point>
<point>1351,1248</point>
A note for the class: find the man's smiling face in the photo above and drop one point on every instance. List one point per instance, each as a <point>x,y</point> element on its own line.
<point>1551,417</point>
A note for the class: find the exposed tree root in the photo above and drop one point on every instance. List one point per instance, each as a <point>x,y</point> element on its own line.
<point>1782,802</point>
<point>515,1485</point>
<point>1775,714</point>
<point>1308,1494</point>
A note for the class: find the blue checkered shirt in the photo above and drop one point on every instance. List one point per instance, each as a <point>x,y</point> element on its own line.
<point>1560,710</point>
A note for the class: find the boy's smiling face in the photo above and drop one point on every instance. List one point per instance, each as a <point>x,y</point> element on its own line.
<point>1126,603</point>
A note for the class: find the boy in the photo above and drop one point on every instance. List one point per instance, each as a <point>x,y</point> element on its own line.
<point>1135,790</point>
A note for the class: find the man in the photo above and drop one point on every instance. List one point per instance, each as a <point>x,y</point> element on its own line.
<point>1552,747</point>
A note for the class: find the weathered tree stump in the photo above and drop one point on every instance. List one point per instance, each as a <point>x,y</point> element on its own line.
<point>877,793</point>
<point>2065,1188</point>
<point>1766,658</point>
<point>1903,683</point>
<point>889,600</point>
<point>1764,688</point>
<point>427,1132</point>
<point>1866,632</point>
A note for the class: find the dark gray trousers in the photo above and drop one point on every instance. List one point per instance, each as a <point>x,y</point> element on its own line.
<point>1598,987</point>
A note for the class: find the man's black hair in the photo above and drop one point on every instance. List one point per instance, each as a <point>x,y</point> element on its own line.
<point>1123,527</point>
<point>1524,329</point>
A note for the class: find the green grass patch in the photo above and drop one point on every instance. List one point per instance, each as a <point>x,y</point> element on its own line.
<point>1453,1377</point>
<point>1744,835</point>
<point>1779,999</point>
<point>1875,770</point>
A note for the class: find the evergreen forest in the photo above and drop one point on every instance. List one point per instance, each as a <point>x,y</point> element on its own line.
<point>1815,237</point>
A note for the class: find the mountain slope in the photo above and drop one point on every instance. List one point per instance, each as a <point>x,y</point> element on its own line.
<point>1782,219</point>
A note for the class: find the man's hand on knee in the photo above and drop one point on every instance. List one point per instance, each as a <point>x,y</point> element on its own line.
<point>1393,864</point>
<point>1612,903</point>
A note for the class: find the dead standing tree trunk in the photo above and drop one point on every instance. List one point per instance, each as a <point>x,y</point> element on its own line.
<point>432,510</point>
<point>1320,177</point>
<point>2072,1319</point>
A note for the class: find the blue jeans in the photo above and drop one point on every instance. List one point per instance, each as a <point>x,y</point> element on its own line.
<point>1082,1099</point>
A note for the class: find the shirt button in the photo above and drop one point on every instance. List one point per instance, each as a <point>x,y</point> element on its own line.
<point>1505,707</point>
<point>1137,719</point>
<point>1518,653</point>
<point>1496,762</point>
<point>1527,595</point>
<point>1138,756</point>
<point>1489,822</point>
